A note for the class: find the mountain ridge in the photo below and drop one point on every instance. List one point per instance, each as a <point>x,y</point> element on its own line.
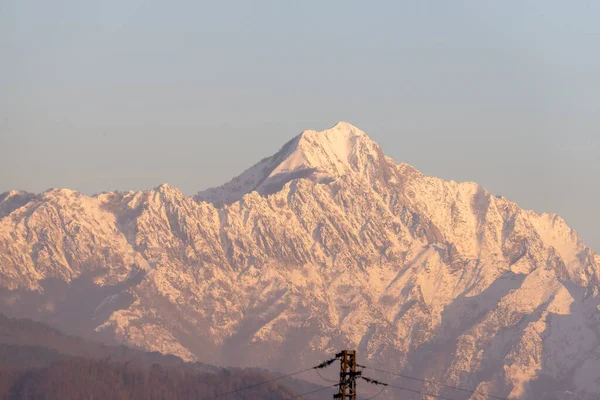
<point>440,279</point>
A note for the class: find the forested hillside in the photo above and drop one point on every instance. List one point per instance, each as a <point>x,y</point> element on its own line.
<point>39,362</point>
<point>84,378</point>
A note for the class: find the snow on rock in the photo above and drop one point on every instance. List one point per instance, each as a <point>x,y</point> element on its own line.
<point>318,156</point>
<point>328,244</point>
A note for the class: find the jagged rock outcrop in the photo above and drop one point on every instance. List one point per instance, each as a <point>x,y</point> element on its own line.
<point>327,244</point>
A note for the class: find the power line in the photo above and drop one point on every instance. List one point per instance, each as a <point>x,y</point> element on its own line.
<point>315,391</point>
<point>322,377</point>
<point>316,368</point>
<point>357,374</point>
<point>375,382</point>
<point>449,386</point>
<point>435,383</point>
<point>381,391</point>
<point>420,392</point>
<point>258,384</point>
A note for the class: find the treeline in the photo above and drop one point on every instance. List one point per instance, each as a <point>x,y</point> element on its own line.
<point>82,378</point>
<point>25,332</point>
<point>40,362</point>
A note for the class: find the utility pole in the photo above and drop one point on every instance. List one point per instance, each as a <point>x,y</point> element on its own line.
<point>348,376</point>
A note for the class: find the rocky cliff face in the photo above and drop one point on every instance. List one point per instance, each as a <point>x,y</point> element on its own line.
<point>328,244</point>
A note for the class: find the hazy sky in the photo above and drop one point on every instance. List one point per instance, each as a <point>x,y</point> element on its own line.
<point>108,95</point>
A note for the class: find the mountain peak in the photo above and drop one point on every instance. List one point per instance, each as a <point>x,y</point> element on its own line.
<point>164,187</point>
<point>327,151</point>
<point>341,130</point>
<point>346,126</point>
<point>167,191</point>
<point>321,156</point>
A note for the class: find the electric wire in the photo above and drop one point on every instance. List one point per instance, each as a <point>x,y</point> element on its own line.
<point>316,368</point>
<point>315,391</point>
<point>434,383</point>
<point>322,377</point>
<point>380,392</point>
<point>420,392</point>
<point>258,384</point>
<point>367,379</point>
<point>375,382</point>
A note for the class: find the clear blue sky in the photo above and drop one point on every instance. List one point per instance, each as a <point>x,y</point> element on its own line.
<point>109,95</point>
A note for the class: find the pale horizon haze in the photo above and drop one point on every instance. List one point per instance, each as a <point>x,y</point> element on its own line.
<point>126,95</point>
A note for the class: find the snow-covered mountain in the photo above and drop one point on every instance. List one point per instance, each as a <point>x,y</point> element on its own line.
<point>328,244</point>
<point>318,156</point>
